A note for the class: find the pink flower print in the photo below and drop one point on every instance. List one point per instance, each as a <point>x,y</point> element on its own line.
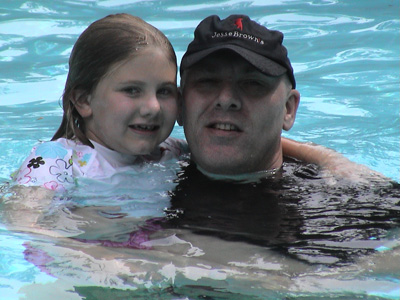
<point>23,176</point>
<point>62,171</point>
<point>54,186</point>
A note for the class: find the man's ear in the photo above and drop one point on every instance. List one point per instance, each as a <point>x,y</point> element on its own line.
<point>81,102</point>
<point>292,103</point>
<point>180,108</point>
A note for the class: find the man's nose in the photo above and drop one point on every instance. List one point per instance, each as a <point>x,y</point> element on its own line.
<point>228,97</point>
<point>150,106</point>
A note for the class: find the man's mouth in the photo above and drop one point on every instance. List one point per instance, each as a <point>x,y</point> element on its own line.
<point>224,126</point>
<point>142,127</point>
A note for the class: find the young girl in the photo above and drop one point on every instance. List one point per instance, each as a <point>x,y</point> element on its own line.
<point>119,102</point>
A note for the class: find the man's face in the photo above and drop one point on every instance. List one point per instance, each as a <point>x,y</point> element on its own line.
<point>233,115</point>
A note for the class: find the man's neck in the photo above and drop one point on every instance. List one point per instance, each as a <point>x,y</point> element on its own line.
<point>243,177</point>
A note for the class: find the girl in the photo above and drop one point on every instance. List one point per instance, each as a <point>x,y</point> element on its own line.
<point>119,102</point>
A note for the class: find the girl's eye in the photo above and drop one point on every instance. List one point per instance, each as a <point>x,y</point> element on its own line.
<point>167,92</point>
<point>133,91</point>
<point>164,92</point>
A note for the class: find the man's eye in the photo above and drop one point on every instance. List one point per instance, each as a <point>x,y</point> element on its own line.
<point>206,82</point>
<point>254,86</point>
<point>252,83</point>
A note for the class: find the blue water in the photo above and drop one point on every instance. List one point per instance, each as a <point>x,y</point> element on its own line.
<point>346,59</point>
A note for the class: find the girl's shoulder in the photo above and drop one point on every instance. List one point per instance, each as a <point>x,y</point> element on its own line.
<point>60,149</point>
<point>55,149</point>
<point>50,164</point>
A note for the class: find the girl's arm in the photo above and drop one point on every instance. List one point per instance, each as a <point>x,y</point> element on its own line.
<point>330,161</point>
<point>47,169</point>
<point>310,153</point>
<point>23,209</point>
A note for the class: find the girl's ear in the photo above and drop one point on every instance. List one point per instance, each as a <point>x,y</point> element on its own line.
<point>180,103</point>
<point>81,102</point>
<point>292,103</point>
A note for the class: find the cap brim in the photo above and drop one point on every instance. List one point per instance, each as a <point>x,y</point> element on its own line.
<point>262,63</point>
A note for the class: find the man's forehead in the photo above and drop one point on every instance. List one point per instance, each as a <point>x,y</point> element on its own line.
<point>219,63</point>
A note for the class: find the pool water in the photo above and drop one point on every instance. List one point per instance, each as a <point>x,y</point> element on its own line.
<point>346,60</point>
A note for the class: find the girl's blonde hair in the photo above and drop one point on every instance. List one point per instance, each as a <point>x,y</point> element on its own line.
<point>103,44</point>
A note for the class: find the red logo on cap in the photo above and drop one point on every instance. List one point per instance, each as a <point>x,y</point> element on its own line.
<point>238,23</point>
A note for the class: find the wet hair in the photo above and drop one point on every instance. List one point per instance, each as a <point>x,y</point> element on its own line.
<point>99,48</point>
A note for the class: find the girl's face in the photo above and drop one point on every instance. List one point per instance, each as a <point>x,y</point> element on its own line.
<point>134,107</point>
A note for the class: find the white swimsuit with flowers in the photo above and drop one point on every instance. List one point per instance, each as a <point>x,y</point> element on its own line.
<point>56,164</point>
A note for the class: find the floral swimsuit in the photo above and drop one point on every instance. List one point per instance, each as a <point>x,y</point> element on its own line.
<point>56,164</point>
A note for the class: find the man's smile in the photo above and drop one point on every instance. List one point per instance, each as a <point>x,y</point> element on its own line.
<point>224,126</point>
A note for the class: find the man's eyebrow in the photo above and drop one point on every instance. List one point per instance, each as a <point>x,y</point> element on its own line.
<point>253,71</point>
<point>206,68</point>
<point>210,68</point>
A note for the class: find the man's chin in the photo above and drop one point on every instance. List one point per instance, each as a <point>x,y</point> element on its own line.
<point>222,167</point>
<point>221,159</point>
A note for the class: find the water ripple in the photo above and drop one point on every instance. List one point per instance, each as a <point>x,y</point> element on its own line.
<point>390,25</point>
<point>312,20</point>
<point>23,27</point>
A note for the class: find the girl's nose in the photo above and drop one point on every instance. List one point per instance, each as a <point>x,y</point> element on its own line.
<point>150,106</point>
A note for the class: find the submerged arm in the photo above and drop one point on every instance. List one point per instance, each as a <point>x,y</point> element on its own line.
<point>31,209</point>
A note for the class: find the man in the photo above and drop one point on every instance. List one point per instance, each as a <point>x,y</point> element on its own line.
<point>238,93</point>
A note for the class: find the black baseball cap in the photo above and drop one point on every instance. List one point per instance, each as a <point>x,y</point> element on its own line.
<point>257,44</point>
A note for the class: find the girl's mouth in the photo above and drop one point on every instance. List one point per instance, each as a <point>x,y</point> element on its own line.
<point>142,127</point>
